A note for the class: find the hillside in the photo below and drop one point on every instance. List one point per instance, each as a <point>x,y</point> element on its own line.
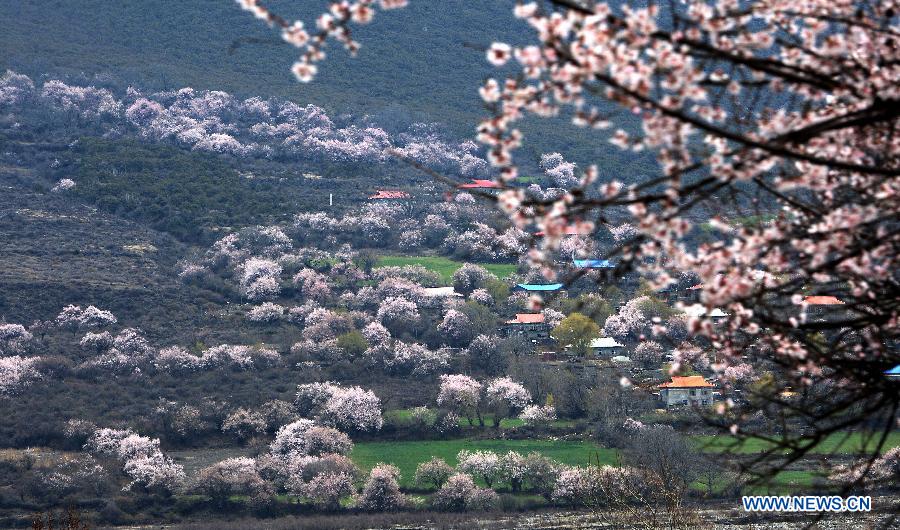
<point>83,256</point>
<point>154,44</point>
<point>421,63</point>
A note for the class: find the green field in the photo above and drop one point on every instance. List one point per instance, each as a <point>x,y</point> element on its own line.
<point>408,455</point>
<point>844,443</point>
<point>443,266</point>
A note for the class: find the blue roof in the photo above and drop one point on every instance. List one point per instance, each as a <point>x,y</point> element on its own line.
<point>594,264</point>
<point>895,371</point>
<point>538,287</point>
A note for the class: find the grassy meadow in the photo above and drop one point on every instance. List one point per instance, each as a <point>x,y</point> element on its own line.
<point>838,443</point>
<point>409,454</point>
<point>444,266</point>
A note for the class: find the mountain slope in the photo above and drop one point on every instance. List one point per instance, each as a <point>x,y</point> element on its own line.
<point>413,57</point>
<point>420,63</point>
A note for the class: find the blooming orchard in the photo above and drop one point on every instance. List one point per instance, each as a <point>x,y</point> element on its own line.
<point>217,122</point>
<point>792,106</point>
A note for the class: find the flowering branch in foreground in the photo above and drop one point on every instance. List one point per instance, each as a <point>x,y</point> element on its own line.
<point>788,110</point>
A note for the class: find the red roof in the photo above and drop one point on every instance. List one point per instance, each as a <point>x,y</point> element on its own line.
<point>695,287</point>
<point>571,230</point>
<point>475,184</point>
<point>527,318</point>
<point>691,381</point>
<point>822,300</point>
<point>390,194</point>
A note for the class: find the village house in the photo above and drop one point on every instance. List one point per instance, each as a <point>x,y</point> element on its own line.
<point>699,311</point>
<point>606,347</point>
<point>440,292</point>
<point>822,307</point>
<point>388,195</point>
<point>593,264</point>
<point>893,373</point>
<point>691,295</point>
<point>686,391</point>
<point>481,186</point>
<point>674,294</point>
<point>604,267</point>
<point>538,287</point>
<point>531,326</point>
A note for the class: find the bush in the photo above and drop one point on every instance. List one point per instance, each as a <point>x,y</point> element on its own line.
<point>459,493</point>
<point>327,489</point>
<point>574,487</point>
<point>483,500</point>
<point>540,473</point>
<point>381,492</point>
<point>229,477</point>
<point>433,473</point>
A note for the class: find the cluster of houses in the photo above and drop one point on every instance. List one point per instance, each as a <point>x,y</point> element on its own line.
<point>685,391</point>
<point>679,392</point>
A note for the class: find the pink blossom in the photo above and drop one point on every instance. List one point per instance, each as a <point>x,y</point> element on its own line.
<point>398,314</point>
<point>17,372</point>
<point>456,328</point>
<point>460,493</point>
<point>244,423</point>
<point>459,392</point>
<point>267,312</point>
<point>63,185</point>
<point>482,464</point>
<point>381,492</point>
<point>350,409</point>
<point>538,415</point>
<point>507,392</point>
<point>14,339</point>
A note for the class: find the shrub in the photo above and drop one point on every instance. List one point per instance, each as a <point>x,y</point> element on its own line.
<point>484,464</point>
<point>574,487</point>
<point>234,476</point>
<point>459,493</point>
<point>482,500</point>
<point>381,491</point>
<point>327,489</point>
<point>244,423</point>
<point>540,473</point>
<point>433,473</point>
<point>454,494</point>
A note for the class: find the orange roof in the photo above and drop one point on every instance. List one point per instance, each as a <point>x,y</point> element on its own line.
<point>390,194</point>
<point>527,318</point>
<point>475,184</point>
<point>696,287</point>
<point>691,381</point>
<point>822,300</point>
